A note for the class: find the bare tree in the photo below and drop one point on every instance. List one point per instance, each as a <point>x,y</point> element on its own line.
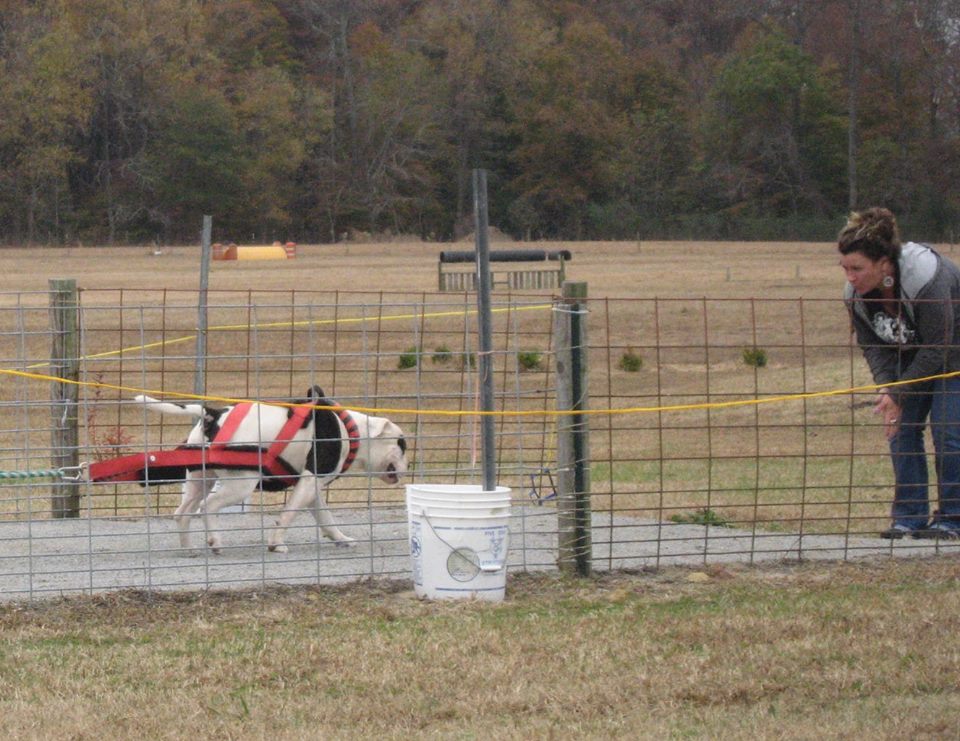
<point>853,104</point>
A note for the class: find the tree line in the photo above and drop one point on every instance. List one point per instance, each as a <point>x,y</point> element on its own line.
<point>124,121</point>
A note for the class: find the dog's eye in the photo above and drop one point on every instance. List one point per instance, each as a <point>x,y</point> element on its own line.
<point>402,444</point>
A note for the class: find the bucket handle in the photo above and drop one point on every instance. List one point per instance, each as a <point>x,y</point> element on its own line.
<point>489,567</point>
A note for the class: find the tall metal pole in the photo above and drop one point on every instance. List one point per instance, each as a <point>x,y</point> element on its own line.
<point>200,372</point>
<point>485,359</point>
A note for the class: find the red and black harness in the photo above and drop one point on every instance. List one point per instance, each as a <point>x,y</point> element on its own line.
<point>166,466</point>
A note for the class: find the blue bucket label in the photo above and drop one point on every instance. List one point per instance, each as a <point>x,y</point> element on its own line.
<point>416,553</point>
<point>497,536</point>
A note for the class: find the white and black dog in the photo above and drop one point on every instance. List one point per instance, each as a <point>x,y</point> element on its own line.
<point>247,445</point>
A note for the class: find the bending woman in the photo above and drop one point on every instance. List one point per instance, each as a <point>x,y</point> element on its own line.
<point>903,303</point>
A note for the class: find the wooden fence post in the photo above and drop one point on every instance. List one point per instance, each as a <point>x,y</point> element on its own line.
<point>64,365</point>
<point>573,433</point>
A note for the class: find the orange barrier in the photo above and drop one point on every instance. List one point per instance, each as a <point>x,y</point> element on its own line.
<point>276,251</point>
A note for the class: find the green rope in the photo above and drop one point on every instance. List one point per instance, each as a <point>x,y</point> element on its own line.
<point>47,473</point>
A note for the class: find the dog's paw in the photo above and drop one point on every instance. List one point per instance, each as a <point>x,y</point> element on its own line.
<point>345,542</point>
<point>277,548</point>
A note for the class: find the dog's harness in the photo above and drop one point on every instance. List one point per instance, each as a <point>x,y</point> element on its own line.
<point>164,466</point>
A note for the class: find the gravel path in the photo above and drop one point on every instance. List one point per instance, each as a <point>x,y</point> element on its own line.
<point>59,557</point>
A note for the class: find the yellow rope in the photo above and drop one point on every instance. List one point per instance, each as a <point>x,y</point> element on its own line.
<point>504,413</point>
<point>437,412</point>
<point>304,323</point>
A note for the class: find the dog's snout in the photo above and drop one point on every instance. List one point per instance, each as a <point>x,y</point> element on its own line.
<point>390,475</point>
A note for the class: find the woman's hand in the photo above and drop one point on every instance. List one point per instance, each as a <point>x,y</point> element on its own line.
<point>889,411</point>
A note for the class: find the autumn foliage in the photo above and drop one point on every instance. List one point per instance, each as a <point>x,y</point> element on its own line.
<point>313,120</point>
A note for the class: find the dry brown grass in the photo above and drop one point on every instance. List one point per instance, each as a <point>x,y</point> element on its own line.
<point>810,651</point>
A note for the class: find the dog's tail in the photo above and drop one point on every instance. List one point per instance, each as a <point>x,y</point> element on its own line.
<point>169,407</point>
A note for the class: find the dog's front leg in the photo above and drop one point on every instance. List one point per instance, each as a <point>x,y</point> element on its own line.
<point>299,497</point>
<point>321,513</point>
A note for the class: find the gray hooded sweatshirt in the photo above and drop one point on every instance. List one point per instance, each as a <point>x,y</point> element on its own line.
<point>926,342</point>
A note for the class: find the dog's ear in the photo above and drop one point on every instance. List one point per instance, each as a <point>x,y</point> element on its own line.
<point>376,426</point>
<point>379,427</point>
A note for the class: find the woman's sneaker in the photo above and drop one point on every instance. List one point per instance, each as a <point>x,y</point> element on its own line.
<point>939,531</point>
<point>897,531</point>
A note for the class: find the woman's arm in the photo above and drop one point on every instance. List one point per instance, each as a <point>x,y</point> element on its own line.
<point>888,408</point>
<point>935,318</point>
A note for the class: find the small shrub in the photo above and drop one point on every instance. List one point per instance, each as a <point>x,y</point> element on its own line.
<point>630,361</point>
<point>755,357</point>
<point>108,440</point>
<point>408,359</point>
<point>468,360</point>
<point>529,359</point>
<point>703,516</point>
<point>441,355</point>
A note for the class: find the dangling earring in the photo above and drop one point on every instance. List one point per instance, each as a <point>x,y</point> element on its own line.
<point>888,281</point>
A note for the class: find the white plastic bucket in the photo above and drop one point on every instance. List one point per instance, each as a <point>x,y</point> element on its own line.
<point>459,537</point>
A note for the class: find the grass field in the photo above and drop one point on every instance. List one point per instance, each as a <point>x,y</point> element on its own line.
<point>863,650</point>
<point>806,652</point>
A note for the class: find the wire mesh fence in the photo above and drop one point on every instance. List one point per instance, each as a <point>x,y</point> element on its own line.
<point>711,437</point>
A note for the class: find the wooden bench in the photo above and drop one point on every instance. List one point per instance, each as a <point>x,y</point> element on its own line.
<point>511,269</point>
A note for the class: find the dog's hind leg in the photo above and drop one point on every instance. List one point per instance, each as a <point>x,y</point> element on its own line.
<point>195,489</point>
<point>230,490</point>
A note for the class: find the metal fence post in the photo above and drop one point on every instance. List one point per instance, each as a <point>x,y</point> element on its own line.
<point>200,370</point>
<point>484,359</point>
<point>573,433</point>
<point>64,366</point>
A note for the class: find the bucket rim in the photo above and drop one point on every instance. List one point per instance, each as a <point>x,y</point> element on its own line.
<point>460,515</point>
<point>468,489</point>
<point>462,502</point>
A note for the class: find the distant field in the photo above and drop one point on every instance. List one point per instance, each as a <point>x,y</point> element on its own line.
<point>612,269</point>
<point>688,309</point>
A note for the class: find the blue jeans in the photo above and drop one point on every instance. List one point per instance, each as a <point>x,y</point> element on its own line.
<point>940,401</point>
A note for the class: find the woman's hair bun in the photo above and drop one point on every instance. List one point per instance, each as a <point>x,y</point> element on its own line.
<point>873,232</point>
